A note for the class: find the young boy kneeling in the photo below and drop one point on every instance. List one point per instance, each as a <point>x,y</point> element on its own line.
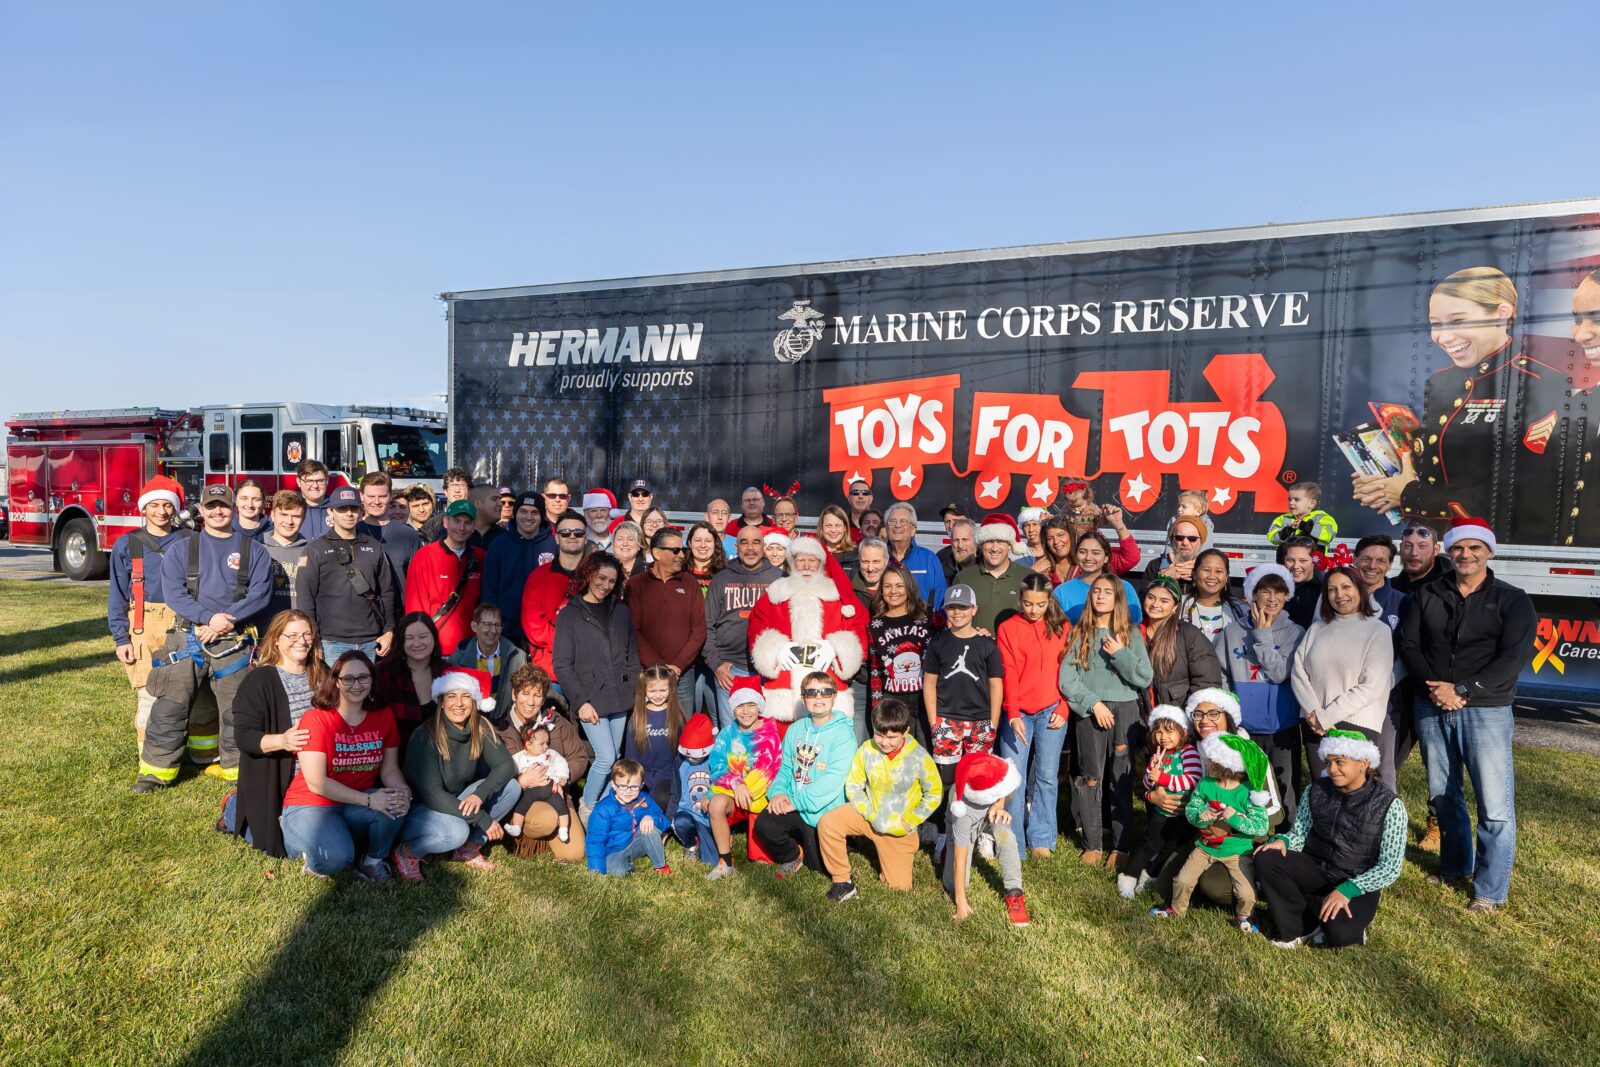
<point>978,806</point>
<point>626,825</point>
<point>892,788</point>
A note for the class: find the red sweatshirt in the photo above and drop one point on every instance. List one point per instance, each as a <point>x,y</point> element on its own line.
<point>543,597</point>
<point>1032,662</point>
<point>669,618</point>
<point>431,579</point>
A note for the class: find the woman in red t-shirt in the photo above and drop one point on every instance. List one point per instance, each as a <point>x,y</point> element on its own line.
<point>334,798</point>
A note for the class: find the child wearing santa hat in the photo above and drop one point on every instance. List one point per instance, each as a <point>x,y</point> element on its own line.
<point>1229,808</point>
<point>744,761</point>
<point>691,811</point>
<point>978,806</point>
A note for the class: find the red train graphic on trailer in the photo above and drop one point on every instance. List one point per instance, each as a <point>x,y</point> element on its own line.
<point>74,476</point>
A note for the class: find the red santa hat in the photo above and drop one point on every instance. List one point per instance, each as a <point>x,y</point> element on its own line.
<point>161,488</point>
<point>1471,528</point>
<point>775,535</point>
<point>616,521</point>
<point>697,737</point>
<point>998,527</point>
<point>747,691</point>
<point>600,498</point>
<point>981,779</point>
<point>807,545</point>
<point>467,680</point>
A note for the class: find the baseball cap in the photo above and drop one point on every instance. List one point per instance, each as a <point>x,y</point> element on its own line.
<point>950,509</point>
<point>960,596</point>
<point>344,497</point>
<point>641,484</point>
<point>214,493</point>
<point>461,507</point>
<point>505,490</point>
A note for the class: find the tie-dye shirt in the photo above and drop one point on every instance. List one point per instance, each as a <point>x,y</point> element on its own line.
<point>895,794</point>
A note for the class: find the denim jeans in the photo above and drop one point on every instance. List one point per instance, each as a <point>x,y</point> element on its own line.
<point>1044,776</point>
<point>725,709</point>
<point>1478,741</point>
<point>620,863</point>
<point>692,833</point>
<point>605,737</point>
<point>326,834</point>
<point>705,692</point>
<point>230,818</point>
<point>332,650</point>
<point>430,832</point>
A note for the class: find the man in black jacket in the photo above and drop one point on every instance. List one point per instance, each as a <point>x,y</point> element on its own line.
<point>347,585</point>
<point>1465,638</point>
<point>1421,561</point>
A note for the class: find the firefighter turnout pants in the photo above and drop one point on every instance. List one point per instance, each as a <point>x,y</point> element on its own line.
<point>147,644</point>
<point>176,685</point>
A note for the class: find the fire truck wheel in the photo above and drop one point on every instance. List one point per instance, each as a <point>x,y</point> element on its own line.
<point>78,555</point>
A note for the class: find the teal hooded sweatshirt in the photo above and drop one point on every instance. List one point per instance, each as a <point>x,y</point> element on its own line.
<point>816,760</point>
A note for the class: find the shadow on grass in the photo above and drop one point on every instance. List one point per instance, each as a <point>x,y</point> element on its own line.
<point>88,628</point>
<point>311,996</point>
<point>46,668</point>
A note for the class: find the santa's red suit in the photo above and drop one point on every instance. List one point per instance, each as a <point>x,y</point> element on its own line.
<point>807,609</point>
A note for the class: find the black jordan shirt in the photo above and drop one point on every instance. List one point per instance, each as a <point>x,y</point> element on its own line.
<point>964,666</point>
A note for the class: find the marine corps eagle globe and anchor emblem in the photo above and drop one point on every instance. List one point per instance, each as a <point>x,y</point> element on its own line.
<point>791,345</point>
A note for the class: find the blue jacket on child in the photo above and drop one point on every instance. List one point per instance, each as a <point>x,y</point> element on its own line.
<point>612,827</point>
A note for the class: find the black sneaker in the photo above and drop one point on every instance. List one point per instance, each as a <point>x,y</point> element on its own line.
<point>840,892</point>
<point>141,786</point>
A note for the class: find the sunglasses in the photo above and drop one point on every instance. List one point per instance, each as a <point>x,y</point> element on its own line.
<point>675,550</point>
<point>861,492</point>
<point>558,496</point>
<point>638,492</point>
<point>1185,537</point>
<point>577,532</point>
<point>1419,531</point>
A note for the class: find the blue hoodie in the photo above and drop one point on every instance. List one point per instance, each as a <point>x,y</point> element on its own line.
<point>816,760</point>
<point>507,562</point>
<point>120,593</point>
<point>612,826</point>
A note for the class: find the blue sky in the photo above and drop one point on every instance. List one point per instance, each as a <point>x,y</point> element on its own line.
<point>203,203</point>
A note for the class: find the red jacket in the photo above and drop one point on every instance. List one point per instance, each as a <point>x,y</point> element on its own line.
<point>544,595</point>
<point>669,618</point>
<point>1032,662</point>
<point>431,579</point>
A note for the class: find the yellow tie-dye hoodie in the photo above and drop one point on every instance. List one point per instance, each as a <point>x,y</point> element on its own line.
<point>896,794</point>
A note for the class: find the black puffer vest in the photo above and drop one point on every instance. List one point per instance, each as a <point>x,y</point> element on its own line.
<point>1347,828</point>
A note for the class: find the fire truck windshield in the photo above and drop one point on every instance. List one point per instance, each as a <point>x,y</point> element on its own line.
<point>409,451</point>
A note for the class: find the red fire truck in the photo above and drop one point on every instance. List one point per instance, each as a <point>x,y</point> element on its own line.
<point>74,476</point>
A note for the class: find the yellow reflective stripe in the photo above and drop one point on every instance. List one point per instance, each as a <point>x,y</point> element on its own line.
<point>161,774</point>
<point>202,740</point>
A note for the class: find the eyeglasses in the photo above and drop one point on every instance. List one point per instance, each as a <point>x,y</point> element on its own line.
<point>676,550</point>
<point>296,639</point>
<point>810,693</point>
<point>558,496</point>
<point>626,787</point>
<point>1186,537</point>
<point>356,680</point>
<point>1208,714</point>
<point>313,481</point>
<point>571,532</point>
<point>487,625</point>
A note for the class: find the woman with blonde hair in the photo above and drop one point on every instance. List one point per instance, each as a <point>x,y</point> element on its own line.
<point>1491,427</point>
<point>1103,672</point>
<point>833,530</point>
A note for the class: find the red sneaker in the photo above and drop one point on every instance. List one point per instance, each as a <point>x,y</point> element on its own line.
<point>1016,910</point>
<point>406,864</point>
<point>664,869</point>
<point>472,855</point>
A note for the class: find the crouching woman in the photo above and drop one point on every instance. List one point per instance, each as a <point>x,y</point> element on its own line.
<point>1322,879</point>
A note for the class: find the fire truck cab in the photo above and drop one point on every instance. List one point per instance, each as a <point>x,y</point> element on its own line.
<point>74,476</point>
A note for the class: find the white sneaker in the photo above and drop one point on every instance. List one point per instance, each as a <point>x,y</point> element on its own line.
<point>1142,884</point>
<point>986,846</point>
<point>1127,886</point>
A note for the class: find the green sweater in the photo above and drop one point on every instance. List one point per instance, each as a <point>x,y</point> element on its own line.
<point>1120,677</point>
<point>438,783</point>
<point>1248,821</point>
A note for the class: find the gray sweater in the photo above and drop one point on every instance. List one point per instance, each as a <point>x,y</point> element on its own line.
<point>1119,677</point>
<point>1342,672</point>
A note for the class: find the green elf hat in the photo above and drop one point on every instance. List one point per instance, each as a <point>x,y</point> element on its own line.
<point>1351,745</point>
<point>1242,756</point>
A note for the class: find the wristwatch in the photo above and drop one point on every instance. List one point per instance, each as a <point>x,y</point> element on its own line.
<point>1462,690</point>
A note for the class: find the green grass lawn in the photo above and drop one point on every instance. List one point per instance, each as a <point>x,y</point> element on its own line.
<point>131,932</point>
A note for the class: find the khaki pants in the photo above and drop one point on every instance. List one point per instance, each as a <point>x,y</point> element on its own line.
<point>895,854</point>
<point>203,724</point>
<point>1199,861</point>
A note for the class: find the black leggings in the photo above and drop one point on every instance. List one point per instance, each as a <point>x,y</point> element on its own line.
<point>1163,835</point>
<point>547,793</point>
<point>785,836</point>
<point>1293,885</point>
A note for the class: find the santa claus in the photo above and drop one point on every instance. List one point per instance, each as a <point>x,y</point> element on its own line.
<point>807,621</point>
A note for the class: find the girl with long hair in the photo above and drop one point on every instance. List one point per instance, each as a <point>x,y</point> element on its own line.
<point>1182,659</point>
<point>1103,672</point>
<point>1093,557</point>
<point>1058,560</point>
<point>653,728</point>
<point>406,675</point>
<point>1032,643</point>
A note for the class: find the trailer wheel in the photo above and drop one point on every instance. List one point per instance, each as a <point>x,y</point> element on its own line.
<point>78,555</point>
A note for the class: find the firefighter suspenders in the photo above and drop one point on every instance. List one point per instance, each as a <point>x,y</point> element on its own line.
<point>139,541</point>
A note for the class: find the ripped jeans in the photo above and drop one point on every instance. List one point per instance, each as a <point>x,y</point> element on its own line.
<point>1104,758</point>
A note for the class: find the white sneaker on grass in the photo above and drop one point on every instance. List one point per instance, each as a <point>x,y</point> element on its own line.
<point>1127,886</point>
